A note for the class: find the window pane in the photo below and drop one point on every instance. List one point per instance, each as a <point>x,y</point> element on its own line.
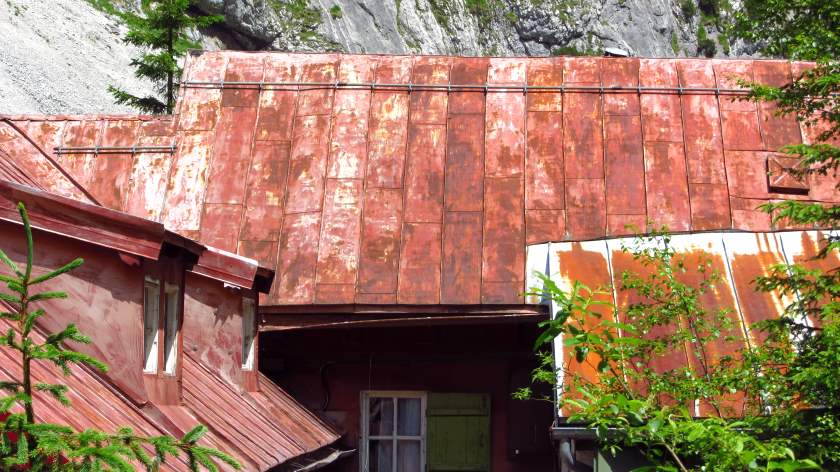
<point>170,329</point>
<point>381,417</point>
<point>408,416</point>
<point>381,456</point>
<point>408,456</point>
<point>151,317</point>
<point>248,333</point>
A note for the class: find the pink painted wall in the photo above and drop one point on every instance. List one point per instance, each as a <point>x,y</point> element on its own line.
<point>213,327</point>
<point>105,301</point>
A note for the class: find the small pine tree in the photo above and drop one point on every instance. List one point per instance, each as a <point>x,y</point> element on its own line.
<point>28,444</point>
<point>161,30</point>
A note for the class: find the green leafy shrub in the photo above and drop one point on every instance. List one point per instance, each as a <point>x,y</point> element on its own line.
<point>705,45</point>
<point>710,414</point>
<point>335,12</point>
<point>688,8</point>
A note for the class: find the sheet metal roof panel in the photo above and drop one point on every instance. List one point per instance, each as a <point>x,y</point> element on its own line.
<point>85,222</point>
<point>579,153</point>
<point>31,160</point>
<point>94,403</point>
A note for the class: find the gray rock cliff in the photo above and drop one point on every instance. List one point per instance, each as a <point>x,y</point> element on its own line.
<point>59,56</point>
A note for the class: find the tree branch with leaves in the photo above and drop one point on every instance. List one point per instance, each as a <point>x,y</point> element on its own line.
<point>161,29</point>
<point>672,376</point>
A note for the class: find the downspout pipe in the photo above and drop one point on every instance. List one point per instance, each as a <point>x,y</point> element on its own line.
<point>567,458</point>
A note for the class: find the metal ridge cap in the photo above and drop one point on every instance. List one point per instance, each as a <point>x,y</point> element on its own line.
<point>201,51</point>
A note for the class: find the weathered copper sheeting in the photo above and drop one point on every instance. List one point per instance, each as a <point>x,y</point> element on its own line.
<point>738,258</point>
<point>233,269</point>
<point>86,222</point>
<point>265,431</point>
<point>361,195</point>
<point>125,233</point>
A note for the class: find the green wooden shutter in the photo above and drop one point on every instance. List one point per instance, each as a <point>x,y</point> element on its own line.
<point>458,432</point>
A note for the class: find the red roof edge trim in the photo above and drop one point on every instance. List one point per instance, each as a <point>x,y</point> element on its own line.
<point>234,269</point>
<point>86,222</point>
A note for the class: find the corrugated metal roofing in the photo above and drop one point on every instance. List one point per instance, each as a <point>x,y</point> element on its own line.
<point>412,195</point>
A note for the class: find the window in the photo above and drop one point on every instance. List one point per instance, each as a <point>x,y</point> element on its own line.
<point>151,324</point>
<point>160,322</point>
<point>170,329</point>
<point>393,432</point>
<point>248,333</point>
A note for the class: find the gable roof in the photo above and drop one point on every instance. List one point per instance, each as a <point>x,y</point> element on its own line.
<point>285,428</point>
<point>421,179</point>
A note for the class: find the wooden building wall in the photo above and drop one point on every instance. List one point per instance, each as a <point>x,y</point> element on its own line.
<point>327,370</point>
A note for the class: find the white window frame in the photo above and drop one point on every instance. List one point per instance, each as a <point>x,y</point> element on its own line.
<point>249,332</point>
<point>172,324</point>
<point>151,318</point>
<point>365,420</point>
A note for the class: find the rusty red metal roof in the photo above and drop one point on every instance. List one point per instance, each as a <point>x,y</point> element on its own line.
<point>260,429</point>
<point>24,161</point>
<point>360,185</point>
<point>125,233</point>
<point>235,417</point>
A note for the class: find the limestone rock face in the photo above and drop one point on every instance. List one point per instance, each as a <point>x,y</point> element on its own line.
<point>653,28</point>
<point>59,56</point>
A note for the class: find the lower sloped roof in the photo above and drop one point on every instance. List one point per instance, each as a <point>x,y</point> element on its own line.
<point>260,429</point>
<point>278,429</point>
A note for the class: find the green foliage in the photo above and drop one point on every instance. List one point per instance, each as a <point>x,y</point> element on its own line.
<point>801,29</point>
<point>675,43</point>
<point>688,8</point>
<point>711,8</point>
<point>161,31</point>
<point>25,442</point>
<point>717,413</point>
<point>485,10</point>
<point>441,12</point>
<point>806,29</point>
<point>705,45</point>
<point>335,12</point>
<point>299,17</point>
<point>571,50</point>
<point>723,40</point>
